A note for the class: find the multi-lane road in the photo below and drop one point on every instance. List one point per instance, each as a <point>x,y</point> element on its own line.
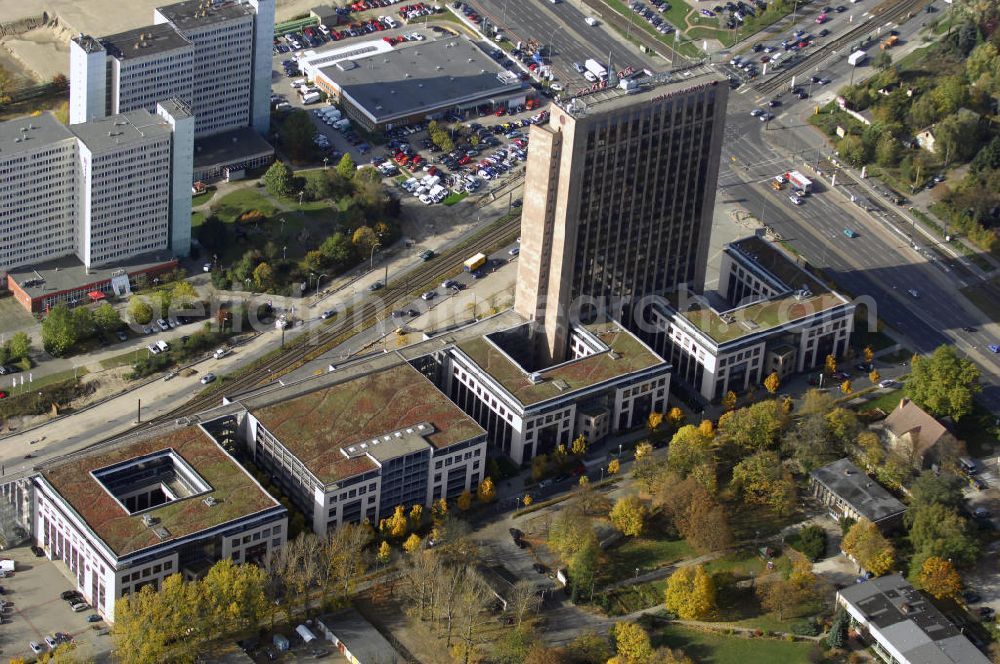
<point>561,27</point>
<point>881,262</point>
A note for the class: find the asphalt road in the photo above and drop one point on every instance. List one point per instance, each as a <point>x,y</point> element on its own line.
<point>881,262</point>
<point>560,26</point>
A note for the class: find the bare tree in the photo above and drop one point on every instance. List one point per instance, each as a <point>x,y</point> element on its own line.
<point>450,586</point>
<point>524,601</point>
<point>472,602</point>
<point>343,560</point>
<point>420,573</point>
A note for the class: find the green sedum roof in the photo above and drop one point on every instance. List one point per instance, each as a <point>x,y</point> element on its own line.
<point>625,354</point>
<point>237,494</point>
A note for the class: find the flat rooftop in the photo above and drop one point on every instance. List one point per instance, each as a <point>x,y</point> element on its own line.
<point>361,638</point>
<point>315,425</point>
<point>229,147</point>
<point>30,133</point>
<point>804,296</point>
<point>195,14</point>
<point>420,76</point>
<point>908,622</point>
<point>623,354</point>
<point>665,84</point>
<point>114,131</point>
<point>140,42</point>
<point>237,495</point>
<point>68,273</point>
<point>868,497</point>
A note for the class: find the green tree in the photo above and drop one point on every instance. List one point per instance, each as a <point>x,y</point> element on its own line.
<point>923,112</point>
<point>753,428</point>
<point>887,151</point>
<point>263,277</point>
<point>869,547</point>
<point>691,593</point>
<point>213,234</point>
<point>346,168</point>
<point>337,250</point>
<point>106,317</point>
<point>937,530</point>
<point>761,479</point>
<point>365,239</point>
<point>882,60</point>
<point>629,515</point>
<point>317,187</point>
<point>278,180</point>
<point>852,150</point>
<point>19,346</point>
<point>812,542</point>
<point>838,629</point>
<point>943,384</point>
<point>139,310</point>
<point>59,331</point>
<point>690,448</point>
<point>296,133</point>
<point>932,489</point>
<point>957,136</point>
<point>949,94</point>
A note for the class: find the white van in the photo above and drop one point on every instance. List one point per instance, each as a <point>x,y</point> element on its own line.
<point>298,83</point>
<point>163,345</point>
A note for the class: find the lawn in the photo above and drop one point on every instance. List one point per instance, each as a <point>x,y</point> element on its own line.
<point>887,401</point>
<point>674,16</point>
<point>746,563</point>
<point>629,599</point>
<point>203,197</point>
<point>644,553</point>
<point>712,648</point>
<point>453,198</point>
<point>235,203</point>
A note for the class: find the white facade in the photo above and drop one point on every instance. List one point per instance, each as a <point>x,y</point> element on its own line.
<point>181,173</point>
<point>124,193</point>
<point>38,191</point>
<point>420,474</point>
<point>141,82</point>
<point>88,79</point>
<point>806,327</point>
<point>260,104</point>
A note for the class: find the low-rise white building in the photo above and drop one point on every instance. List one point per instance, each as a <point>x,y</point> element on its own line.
<point>132,512</point>
<point>610,383</point>
<point>903,626</point>
<point>352,445</point>
<point>769,315</point>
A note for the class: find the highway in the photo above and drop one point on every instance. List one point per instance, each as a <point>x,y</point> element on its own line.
<point>881,262</point>
<point>560,26</point>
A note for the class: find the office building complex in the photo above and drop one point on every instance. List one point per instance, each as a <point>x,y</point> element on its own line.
<point>350,448</point>
<point>768,315</point>
<point>620,187</point>
<point>213,56</point>
<point>38,190</point>
<point>130,513</point>
<point>609,384</point>
<point>110,192</point>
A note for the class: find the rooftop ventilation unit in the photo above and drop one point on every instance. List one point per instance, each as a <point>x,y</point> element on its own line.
<point>149,520</point>
<point>727,318</point>
<point>210,501</point>
<point>161,532</point>
<point>749,325</point>
<point>561,384</point>
<point>535,378</point>
<point>613,355</point>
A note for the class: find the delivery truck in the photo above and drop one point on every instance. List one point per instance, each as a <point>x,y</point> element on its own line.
<point>799,181</point>
<point>856,58</point>
<point>596,68</point>
<point>475,262</point>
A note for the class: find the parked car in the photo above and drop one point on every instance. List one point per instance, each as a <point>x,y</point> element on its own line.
<point>79,606</point>
<point>71,595</point>
<point>207,378</point>
<point>35,648</point>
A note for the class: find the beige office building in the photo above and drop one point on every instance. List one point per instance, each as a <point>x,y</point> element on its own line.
<point>618,199</point>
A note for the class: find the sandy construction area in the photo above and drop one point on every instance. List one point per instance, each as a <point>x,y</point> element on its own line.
<point>45,51</point>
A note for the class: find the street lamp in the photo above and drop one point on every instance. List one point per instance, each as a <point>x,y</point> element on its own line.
<point>326,162</point>
<point>284,253</point>
<point>636,573</point>
<point>371,259</point>
<point>318,279</point>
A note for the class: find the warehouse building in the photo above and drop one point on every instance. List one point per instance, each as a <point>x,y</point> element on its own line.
<point>131,512</point>
<point>380,86</point>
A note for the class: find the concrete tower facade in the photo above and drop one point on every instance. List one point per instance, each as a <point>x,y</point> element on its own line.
<point>181,167</point>
<point>260,102</point>
<point>88,79</point>
<point>620,187</point>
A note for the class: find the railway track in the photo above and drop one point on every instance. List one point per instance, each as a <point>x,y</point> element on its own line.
<point>887,12</point>
<point>309,346</point>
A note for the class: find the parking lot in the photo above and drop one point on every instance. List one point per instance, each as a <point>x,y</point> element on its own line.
<point>33,610</point>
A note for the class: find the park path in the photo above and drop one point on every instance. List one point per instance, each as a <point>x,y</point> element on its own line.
<point>666,570</point>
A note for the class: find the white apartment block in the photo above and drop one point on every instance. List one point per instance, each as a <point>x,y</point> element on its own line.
<point>213,56</point>
<point>104,190</point>
<point>350,446</point>
<point>38,190</point>
<point>609,384</point>
<point>769,315</point>
<point>130,513</point>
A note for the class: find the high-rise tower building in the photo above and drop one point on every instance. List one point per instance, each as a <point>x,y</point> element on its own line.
<point>619,191</point>
<point>213,56</point>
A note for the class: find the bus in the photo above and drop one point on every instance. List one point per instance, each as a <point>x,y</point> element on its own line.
<point>475,262</point>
